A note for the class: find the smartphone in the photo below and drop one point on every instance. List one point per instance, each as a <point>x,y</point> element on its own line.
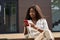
<point>26,22</point>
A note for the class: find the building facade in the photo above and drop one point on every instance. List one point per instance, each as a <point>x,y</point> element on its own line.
<point>13,12</point>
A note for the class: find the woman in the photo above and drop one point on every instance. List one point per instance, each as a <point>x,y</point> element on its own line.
<point>37,27</point>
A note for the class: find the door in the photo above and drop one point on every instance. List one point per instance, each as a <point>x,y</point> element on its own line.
<point>8,16</point>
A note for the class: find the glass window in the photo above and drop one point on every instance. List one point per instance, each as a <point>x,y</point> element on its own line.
<point>0,8</point>
<point>55,15</point>
<point>10,16</point>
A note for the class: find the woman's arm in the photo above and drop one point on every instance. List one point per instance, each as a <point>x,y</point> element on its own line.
<point>32,25</point>
<point>25,31</point>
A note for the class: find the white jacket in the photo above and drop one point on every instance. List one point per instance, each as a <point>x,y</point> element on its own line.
<point>42,24</point>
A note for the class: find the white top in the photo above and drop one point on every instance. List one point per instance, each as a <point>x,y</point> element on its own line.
<point>41,24</point>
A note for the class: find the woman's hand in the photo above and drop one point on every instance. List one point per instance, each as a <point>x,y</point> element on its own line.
<point>32,25</point>
<point>26,23</point>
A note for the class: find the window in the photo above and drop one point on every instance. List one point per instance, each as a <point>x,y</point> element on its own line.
<point>10,16</point>
<point>55,15</point>
<point>0,8</point>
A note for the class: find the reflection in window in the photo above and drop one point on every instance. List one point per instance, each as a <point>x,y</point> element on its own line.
<point>55,14</point>
<point>0,8</point>
<point>10,16</point>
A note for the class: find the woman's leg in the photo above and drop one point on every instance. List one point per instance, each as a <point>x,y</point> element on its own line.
<point>40,37</point>
<point>46,35</point>
<point>49,35</point>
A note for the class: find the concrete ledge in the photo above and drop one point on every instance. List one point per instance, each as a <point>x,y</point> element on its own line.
<point>12,36</point>
<point>21,35</point>
<point>56,34</point>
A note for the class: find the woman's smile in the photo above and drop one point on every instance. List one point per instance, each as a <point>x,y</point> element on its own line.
<point>32,12</point>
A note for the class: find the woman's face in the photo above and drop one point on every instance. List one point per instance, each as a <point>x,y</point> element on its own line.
<point>32,13</point>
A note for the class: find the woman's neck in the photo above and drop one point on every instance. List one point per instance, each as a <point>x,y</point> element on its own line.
<point>34,20</point>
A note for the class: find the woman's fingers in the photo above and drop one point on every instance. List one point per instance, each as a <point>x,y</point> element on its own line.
<point>32,25</point>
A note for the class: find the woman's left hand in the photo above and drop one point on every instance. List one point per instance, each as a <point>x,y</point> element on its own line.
<point>32,25</point>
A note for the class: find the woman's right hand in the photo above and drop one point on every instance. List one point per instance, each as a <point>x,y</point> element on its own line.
<point>26,23</point>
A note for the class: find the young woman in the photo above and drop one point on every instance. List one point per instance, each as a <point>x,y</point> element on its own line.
<point>36,25</point>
